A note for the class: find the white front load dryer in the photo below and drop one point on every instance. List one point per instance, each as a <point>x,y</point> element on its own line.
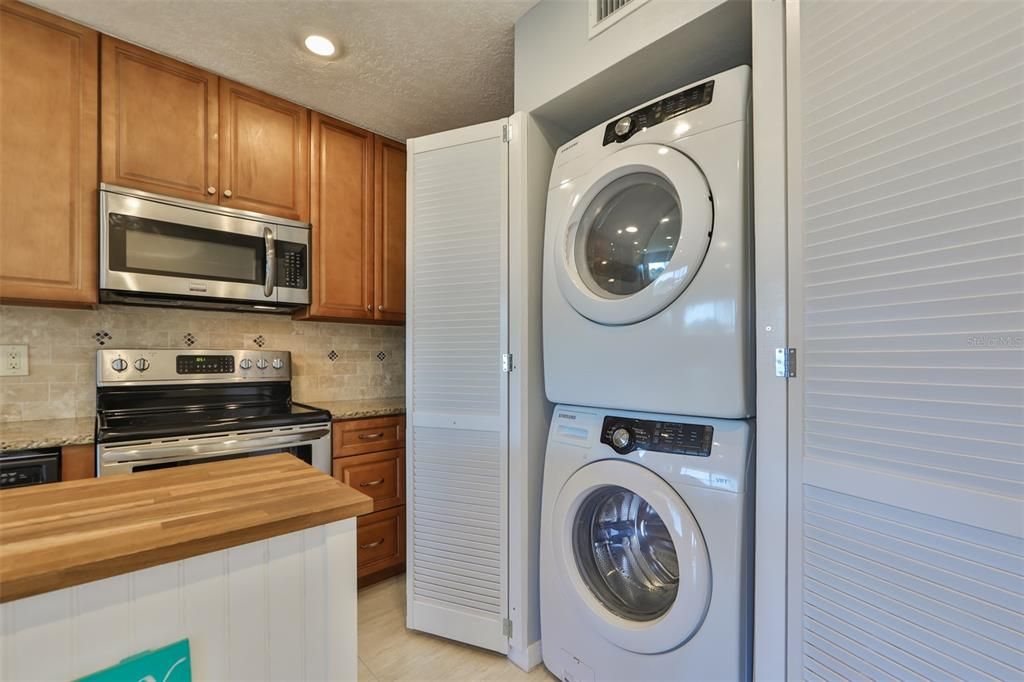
<point>647,547</point>
<point>647,300</point>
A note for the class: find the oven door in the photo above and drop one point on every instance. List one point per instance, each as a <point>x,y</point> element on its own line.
<point>151,245</point>
<point>310,443</point>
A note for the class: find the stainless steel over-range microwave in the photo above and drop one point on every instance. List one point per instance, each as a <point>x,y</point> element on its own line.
<point>161,251</point>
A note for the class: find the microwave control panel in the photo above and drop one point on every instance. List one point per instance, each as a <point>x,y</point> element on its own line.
<point>292,268</point>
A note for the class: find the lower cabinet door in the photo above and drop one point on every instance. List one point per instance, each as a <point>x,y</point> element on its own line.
<point>381,544</point>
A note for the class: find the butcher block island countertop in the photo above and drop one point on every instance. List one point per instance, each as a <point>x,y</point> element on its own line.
<point>63,534</point>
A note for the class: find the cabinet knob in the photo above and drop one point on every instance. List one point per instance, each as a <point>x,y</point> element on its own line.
<point>211,190</point>
<point>380,308</point>
<point>227,193</point>
<point>369,306</point>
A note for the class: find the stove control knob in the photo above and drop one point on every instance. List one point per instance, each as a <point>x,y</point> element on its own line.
<point>142,364</point>
<point>119,365</point>
<point>623,126</point>
<point>622,439</point>
<point>245,364</point>
<point>261,363</point>
<point>278,363</point>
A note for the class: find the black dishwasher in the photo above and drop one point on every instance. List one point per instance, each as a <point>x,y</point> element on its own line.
<point>29,467</point>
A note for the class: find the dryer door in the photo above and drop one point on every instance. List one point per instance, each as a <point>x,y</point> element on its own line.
<point>638,232</point>
<point>632,557</point>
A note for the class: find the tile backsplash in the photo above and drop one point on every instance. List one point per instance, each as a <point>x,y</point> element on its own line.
<point>330,361</point>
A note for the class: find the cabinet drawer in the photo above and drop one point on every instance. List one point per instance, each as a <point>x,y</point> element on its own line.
<point>380,539</point>
<point>379,474</point>
<point>359,436</point>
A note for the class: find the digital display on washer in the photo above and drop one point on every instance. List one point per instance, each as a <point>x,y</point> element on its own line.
<point>625,435</point>
<point>627,125</point>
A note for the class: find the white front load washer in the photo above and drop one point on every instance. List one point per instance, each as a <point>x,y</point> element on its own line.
<point>648,258</point>
<point>647,547</point>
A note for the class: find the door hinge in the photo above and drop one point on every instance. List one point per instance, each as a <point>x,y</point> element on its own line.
<point>505,134</point>
<point>506,362</point>
<point>785,362</point>
<point>506,627</point>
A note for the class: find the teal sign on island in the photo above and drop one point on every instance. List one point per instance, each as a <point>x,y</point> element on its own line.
<point>171,663</point>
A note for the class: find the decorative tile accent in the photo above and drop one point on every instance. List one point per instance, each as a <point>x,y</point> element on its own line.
<point>102,336</point>
<point>382,356</point>
<point>190,339</point>
<point>333,356</point>
<point>259,340</point>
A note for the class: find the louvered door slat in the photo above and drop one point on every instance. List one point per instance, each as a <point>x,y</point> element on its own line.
<point>907,305</point>
<point>458,436</point>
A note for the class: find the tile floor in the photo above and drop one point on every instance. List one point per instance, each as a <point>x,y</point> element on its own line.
<point>388,652</point>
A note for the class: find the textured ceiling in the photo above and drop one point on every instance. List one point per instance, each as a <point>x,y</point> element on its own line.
<point>405,68</point>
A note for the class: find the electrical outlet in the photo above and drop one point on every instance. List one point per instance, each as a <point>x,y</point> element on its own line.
<point>13,361</point>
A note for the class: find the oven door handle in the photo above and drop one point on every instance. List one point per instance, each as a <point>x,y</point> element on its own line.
<point>185,452</point>
<point>271,272</point>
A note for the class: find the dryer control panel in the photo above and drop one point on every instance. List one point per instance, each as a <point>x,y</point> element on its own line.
<point>627,125</point>
<point>625,434</point>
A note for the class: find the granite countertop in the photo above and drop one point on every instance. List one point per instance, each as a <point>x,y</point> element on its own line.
<point>353,409</point>
<point>46,433</point>
<point>63,534</point>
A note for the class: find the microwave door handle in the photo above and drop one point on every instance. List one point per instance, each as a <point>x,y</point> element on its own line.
<point>268,282</point>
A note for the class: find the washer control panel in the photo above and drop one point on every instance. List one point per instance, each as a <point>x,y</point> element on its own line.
<point>625,434</point>
<point>628,125</point>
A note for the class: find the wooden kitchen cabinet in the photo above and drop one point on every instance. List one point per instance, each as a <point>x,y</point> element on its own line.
<point>389,231</point>
<point>49,167</point>
<point>264,153</point>
<point>341,180</point>
<point>159,126</point>
<point>77,462</point>
<point>369,456</point>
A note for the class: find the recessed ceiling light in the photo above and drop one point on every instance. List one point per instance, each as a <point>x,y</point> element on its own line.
<point>631,229</point>
<point>319,45</point>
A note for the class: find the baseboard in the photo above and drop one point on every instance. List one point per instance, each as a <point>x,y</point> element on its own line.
<point>527,659</point>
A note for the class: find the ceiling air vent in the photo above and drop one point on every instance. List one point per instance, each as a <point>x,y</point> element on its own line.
<point>604,13</point>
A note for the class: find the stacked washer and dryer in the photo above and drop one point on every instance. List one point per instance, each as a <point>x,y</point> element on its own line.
<point>647,527</point>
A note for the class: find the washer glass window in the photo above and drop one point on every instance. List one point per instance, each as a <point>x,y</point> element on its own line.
<point>625,554</point>
<point>628,234</point>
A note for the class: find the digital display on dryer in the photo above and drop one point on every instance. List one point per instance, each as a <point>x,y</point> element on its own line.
<point>627,125</point>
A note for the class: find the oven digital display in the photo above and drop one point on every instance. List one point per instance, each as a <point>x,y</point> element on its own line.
<point>206,364</point>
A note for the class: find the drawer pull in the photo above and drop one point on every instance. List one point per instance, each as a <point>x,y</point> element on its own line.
<point>370,484</point>
<point>372,544</point>
<point>371,436</point>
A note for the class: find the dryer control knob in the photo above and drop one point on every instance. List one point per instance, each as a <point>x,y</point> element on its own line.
<point>624,125</point>
<point>622,439</point>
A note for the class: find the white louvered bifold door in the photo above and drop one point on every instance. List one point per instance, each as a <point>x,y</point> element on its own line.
<point>906,200</point>
<point>457,438</point>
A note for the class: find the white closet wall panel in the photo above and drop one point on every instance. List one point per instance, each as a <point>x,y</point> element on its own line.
<point>907,259</point>
<point>458,395</point>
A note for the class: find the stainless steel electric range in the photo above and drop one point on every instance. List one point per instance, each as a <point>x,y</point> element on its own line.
<point>165,408</point>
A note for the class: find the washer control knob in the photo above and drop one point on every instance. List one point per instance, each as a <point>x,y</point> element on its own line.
<point>261,363</point>
<point>142,364</point>
<point>622,438</point>
<point>623,126</point>
<point>245,364</point>
<point>278,363</point>
<point>119,364</point>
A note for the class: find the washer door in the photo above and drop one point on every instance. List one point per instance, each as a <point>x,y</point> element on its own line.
<point>637,234</point>
<point>631,556</point>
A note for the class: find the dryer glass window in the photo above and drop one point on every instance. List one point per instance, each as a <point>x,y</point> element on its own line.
<point>627,234</point>
<point>625,554</point>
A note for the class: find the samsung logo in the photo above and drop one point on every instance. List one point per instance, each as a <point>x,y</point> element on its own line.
<point>994,341</point>
<point>564,415</point>
<point>568,147</point>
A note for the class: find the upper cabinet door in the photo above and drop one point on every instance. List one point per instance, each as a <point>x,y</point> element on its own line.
<point>342,217</point>
<point>48,169</point>
<point>159,123</point>
<point>389,205</point>
<point>264,153</point>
